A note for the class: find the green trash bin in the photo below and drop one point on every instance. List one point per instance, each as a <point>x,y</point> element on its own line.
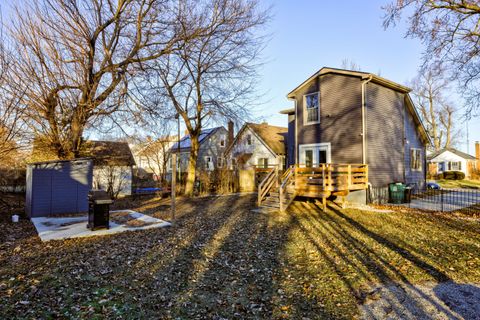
<point>397,192</point>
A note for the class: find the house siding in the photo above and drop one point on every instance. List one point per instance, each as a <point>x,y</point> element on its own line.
<point>257,149</point>
<point>340,104</point>
<point>385,148</point>
<point>413,140</point>
<point>211,148</point>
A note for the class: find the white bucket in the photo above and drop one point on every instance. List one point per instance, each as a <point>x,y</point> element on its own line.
<point>15,218</point>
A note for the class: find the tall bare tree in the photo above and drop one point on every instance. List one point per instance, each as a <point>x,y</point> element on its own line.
<point>451,34</point>
<point>76,58</point>
<point>214,75</point>
<point>10,116</point>
<point>437,112</point>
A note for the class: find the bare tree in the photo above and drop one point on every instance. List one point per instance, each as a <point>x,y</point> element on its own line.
<point>350,65</point>
<point>437,112</point>
<point>10,117</point>
<point>450,31</point>
<point>214,75</point>
<point>75,60</point>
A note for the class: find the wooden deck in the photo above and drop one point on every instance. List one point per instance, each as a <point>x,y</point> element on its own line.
<point>318,182</point>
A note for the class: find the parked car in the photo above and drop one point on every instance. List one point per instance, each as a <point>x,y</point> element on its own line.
<point>433,185</point>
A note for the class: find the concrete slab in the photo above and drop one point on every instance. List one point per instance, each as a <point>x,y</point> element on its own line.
<point>57,228</point>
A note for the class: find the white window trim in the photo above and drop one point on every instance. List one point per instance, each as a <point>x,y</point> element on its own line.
<point>223,140</point>
<point>420,162</point>
<point>322,145</point>
<point>305,114</point>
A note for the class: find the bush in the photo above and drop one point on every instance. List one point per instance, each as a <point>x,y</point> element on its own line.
<point>451,175</point>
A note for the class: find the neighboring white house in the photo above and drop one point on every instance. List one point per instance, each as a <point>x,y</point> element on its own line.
<point>258,145</point>
<point>152,155</point>
<point>112,166</point>
<point>450,159</point>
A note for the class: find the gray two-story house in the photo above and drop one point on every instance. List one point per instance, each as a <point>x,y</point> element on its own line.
<point>343,117</point>
<point>213,142</point>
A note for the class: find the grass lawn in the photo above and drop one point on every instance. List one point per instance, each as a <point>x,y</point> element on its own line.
<point>457,184</point>
<point>222,260</point>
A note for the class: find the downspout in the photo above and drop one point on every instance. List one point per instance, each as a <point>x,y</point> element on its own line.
<point>364,105</point>
<point>295,134</point>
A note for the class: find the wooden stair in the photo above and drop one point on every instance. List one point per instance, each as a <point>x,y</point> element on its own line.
<point>276,193</point>
<point>272,200</point>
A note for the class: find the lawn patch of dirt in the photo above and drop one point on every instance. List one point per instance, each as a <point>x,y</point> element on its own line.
<point>126,218</point>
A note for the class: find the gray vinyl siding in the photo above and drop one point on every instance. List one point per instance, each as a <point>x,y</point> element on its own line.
<point>385,113</point>
<point>211,147</point>
<point>413,140</point>
<point>340,117</point>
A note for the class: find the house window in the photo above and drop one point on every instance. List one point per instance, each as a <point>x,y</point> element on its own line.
<point>312,110</point>
<point>222,140</point>
<point>455,166</point>
<point>262,163</point>
<point>249,140</point>
<point>208,163</point>
<point>415,159</point>
<point>234,163</point>
<point>220,162</point>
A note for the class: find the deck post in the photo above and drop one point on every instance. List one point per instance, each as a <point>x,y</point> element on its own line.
<point>349,176</point>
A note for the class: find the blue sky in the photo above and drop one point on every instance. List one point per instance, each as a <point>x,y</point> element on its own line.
<point>307,35</point>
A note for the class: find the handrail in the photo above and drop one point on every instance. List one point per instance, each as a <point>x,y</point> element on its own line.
<point>266,184</point>
<point>285,182</point>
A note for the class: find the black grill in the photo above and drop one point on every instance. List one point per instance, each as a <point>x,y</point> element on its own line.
<point>98,209</point>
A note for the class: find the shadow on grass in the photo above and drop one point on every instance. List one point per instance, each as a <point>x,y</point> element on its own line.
<point>359,261</point>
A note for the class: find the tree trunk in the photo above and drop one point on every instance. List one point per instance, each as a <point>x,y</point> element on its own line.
<point>192,164</point>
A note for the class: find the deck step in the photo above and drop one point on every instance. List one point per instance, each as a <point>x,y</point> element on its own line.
<point>270,206</point>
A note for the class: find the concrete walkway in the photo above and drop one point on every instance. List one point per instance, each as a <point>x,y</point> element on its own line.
<point>56,228</point>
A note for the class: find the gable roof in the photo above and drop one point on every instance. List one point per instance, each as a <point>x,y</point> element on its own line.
<point>114,153</point>
<point>186,142</point>
<point>364,75</point>
<point>273,137</point>
<point>454,151</point>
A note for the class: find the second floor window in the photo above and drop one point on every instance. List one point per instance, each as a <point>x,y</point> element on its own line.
<point>312,108</point>
<point>222,140</point>
<point>249,140</point>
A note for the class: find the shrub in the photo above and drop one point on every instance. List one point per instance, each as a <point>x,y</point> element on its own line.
<point>451,175</point>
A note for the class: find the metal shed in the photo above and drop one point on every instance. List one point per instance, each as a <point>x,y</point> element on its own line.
<point>57,187</point>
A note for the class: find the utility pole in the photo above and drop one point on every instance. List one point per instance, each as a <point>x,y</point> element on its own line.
<point>468,139</point>
<point>173,187</point>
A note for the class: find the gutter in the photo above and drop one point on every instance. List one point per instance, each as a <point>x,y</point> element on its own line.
<point>296,138</point>
<point>364,105</point>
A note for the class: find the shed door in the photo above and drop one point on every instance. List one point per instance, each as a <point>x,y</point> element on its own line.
<point>41,192</point>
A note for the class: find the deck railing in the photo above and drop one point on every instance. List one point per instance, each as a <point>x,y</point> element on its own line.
<point>264,187</point>
<point>331,177</point>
